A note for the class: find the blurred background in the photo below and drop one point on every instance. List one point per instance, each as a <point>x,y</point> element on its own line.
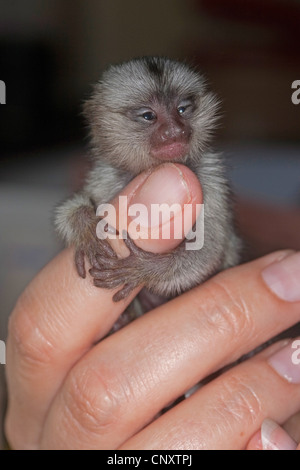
<point>51,51</point>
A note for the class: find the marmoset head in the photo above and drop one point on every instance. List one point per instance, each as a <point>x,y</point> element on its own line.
<point>150,110</point>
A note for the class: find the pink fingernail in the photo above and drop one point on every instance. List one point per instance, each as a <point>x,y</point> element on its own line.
<point>283,278</point>
<point>286,362</point>
<point>273,437</point>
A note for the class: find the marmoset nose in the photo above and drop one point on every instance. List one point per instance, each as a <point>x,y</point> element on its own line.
<point>173,132</point>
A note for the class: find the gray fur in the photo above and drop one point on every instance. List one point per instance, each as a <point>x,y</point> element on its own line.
<point>121,149</point>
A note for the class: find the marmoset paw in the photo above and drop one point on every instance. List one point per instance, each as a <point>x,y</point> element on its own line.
<point>90,251</point>
<point>110,272</point>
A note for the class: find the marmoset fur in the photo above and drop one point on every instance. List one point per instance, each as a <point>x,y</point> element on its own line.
<point>142,113</point>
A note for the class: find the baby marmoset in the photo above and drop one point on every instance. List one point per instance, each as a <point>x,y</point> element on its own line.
<point>142,113</point>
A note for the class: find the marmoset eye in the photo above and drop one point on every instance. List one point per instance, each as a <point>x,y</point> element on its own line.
<point>149,116</point>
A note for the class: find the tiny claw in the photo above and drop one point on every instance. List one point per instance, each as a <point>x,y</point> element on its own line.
<point>94,262</point>
<point>108,250</point>
<point>123,293</point>
<point>130,244</point>
<point>80,263</point>
<point>96,273</point>
<point>104,261</point>
<point>99,274</point>
<point>106,284</point>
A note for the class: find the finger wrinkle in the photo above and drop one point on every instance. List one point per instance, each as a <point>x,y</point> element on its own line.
<point>238,403</point>
<point>227,312</point>
<point>40,321</point>
<point>37,332</point>
<point>31,343</point>
<point>90,403</point>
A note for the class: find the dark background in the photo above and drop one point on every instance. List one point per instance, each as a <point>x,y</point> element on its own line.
<point>51,51</point>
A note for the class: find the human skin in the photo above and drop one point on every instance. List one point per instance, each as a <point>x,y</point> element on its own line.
<point>68,390</point>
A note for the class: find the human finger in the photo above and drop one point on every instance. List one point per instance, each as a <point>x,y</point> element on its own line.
<point>223,414</point>
<point>189,337</point>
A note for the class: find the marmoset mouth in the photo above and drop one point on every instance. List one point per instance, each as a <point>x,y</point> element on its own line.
<point>173,151</point>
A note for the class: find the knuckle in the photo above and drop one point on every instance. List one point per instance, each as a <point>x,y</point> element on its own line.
<point>227,311</point>
<point>238,402</point>
<point>29,338</point>
<point>90,404</point>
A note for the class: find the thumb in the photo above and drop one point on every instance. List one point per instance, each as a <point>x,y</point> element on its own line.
<point>158,208</point>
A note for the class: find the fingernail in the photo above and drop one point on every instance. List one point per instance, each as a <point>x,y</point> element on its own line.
<point>274,437</point>
<point>166,185</point>
<point>286,362</point>
<point>283,278</point>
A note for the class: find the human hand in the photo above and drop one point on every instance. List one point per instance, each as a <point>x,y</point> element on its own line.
<point>66,390</point>
<point>59,317</point>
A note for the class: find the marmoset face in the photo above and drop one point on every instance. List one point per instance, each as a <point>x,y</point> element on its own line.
<point>148,111</point>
